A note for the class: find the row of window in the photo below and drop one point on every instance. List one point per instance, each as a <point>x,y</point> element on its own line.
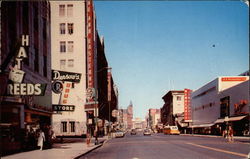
<point>65,125</point>
<point>62,10</point>
<point>63,46</point>
<point>62,28</point>
<point>63,63</point>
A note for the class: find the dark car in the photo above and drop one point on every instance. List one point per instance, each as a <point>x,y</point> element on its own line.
<point>133,132</point>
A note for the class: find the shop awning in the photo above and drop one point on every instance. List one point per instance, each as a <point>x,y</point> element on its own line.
<point>202,125</point>
<point>219,121</point>
<point>236,118</point>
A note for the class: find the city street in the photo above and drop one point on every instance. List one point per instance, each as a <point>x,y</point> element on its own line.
<point>160,146</point>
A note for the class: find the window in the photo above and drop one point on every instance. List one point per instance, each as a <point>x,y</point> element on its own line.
<point>62,46</point>
<point>70,10</point>
<point>70,46</point>
<point>72,126</point>
<point>64,126</point>
<point>71,63</point>
<point>62,64</point>
<point>62,28</point>
<point>70,28</point>
<point>178,98</point>
<point>61,10</point>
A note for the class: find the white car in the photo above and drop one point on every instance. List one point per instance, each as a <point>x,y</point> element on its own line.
<point>119,133</point>
<point>147,132</point>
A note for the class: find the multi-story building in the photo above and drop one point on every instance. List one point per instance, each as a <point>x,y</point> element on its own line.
<point>222,102</point>
<point>173,107</point>
<point>84,104</point>
<point>68,31</point>
<point>138,123</point>
<point>130,116</point>
<point>25,100</point>
<point>154,117</point>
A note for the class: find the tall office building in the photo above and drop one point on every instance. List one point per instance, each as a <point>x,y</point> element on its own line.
<point>68,31</point>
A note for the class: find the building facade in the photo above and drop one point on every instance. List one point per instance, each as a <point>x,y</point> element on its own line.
<point>173,109</point>
<point>25,50</point>
<point>68,31</point>
<point>154,118</point>
<point>222,102</point>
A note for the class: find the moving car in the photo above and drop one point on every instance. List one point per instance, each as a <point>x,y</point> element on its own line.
<point>146,132</point>
<point>171,130</point>
<point>119,133</point>
<point>133,132</point>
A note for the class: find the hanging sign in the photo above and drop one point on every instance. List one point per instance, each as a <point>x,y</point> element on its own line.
<point>66,76</point>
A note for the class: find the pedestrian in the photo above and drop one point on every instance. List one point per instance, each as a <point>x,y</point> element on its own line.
<point>230,134</point>
<point>41,139</point>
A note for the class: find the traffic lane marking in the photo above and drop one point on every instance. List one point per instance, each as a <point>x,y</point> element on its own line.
<point>219,150</point>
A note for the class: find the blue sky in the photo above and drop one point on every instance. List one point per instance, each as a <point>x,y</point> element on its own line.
<point>157,46</point>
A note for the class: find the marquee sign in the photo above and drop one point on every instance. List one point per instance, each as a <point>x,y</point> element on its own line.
<point>16,75</point>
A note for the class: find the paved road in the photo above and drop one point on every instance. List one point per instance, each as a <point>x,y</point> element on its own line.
<point>160,146</point>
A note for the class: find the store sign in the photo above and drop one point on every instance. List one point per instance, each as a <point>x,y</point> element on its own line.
<point>187,104</point>
<point>63,107</point>
<point>57,87</point>
<point>90,46</point>
<point>66,76</point>
<point>26,89</point>
<point>16,75</point>
<point>233,79</point>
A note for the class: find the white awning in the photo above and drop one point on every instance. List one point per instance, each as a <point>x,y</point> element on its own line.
<point>219,121</point>
<point>236,118</point>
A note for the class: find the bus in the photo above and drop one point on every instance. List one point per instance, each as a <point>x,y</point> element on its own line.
<point>171,130</point>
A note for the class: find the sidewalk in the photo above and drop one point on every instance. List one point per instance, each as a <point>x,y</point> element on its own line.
<point>238,138</point>
<point>60,151</point>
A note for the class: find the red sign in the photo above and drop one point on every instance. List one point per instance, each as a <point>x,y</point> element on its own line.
<point>187,104</point>
<point>233,79</point>
<point>90,45</point>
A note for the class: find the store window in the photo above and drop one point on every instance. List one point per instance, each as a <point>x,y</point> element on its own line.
<point>70,46</point>
<point>72,126</point>
<point>70,28</point>
<point>178,98</point>
<point>70,10</point>
<point>62,64</point>
<point>61,10</point>
<point>70,63</point>
<point>62,28</point>
<point>62,46</point>
<point>64,126</point>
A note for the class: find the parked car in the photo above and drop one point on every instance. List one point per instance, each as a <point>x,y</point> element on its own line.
<point>119,133</point>
<point>147,132</point>
<point>133,132</point>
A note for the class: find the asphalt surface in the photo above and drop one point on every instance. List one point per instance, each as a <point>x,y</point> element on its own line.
<point>160,146</point>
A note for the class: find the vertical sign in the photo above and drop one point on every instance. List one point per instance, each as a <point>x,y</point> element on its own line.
<point>187,104</point>
<point>90,45</point>
<point>66,93</point>
<point>109,86</point>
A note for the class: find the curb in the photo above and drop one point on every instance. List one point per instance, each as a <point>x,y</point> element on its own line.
<point>85,153</point>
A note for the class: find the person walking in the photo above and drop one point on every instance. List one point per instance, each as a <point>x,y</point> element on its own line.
<point>230,134</point>
<point>41,139</point>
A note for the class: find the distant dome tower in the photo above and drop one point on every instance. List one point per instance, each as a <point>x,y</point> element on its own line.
<point>130,115</point>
